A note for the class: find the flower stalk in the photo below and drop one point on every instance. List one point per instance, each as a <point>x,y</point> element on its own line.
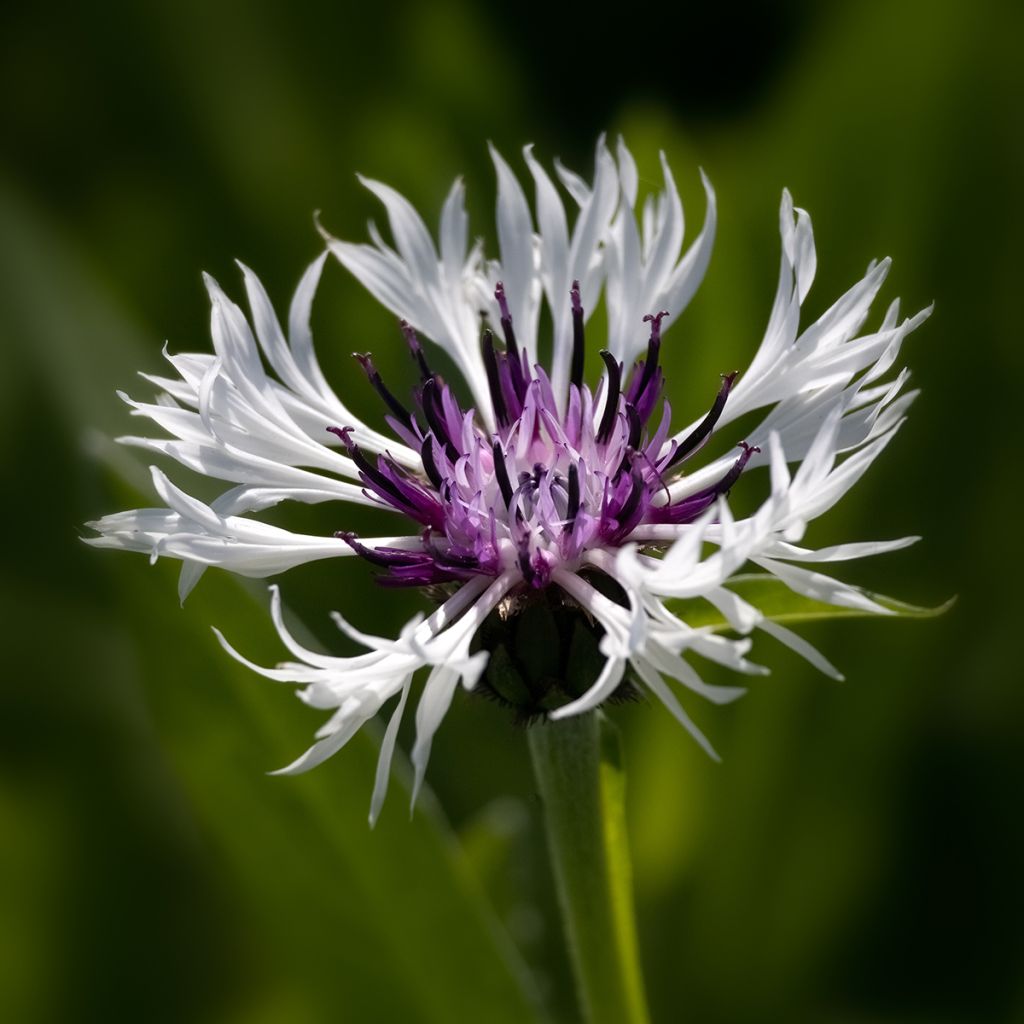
<point>578,767</point>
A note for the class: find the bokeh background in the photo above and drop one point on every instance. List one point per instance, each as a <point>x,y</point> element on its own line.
<point>856,858</point>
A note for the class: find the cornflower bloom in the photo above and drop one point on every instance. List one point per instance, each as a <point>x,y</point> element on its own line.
<point>543,495</point>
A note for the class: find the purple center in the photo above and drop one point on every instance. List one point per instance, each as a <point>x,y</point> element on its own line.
<point>546,487</point>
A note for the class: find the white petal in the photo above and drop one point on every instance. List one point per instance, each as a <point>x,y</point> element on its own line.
<point>515,237</point>
<point>840,552</point>
<point>689,273</point>
<point>741,615</point>
<point>300,334</point>
<point>659,688</point>
<point>819,587</point>
<point>433,705</point>
<point>454,232</point>
<point>604,686</point>
<point>330,745</point>
<point>415,245</point>
<point>387,752</point>
<point>802,647</point>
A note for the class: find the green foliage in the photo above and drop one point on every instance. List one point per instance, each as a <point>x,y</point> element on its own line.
<point>780,604</point>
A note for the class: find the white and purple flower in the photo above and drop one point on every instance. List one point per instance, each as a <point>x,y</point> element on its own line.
<point>543,492</point>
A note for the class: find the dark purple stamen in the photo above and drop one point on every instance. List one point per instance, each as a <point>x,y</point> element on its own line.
<point>389,484</point>
<point>703,430</point>
<point>653,350</point>
<point>429,465</point>
<point>635,427</point>
<point>386,557</point>
<point>400,412</point>
<point>647,400</point>
<point>632,502</point>
<point>687,510</point>
<point>367,469</point>
<point>416,349</point>
<point>501,472</point>
<point>611,405</point>
<point>425,575</point>
<point>345,435</point>
<point>494,380</point>
<point>578,347</point>
<point>453,560</point>
<point>434,413</point>
<point>725,484</point>
<point>573,505</point>
<point>520,377</point>
<point>506,321</point>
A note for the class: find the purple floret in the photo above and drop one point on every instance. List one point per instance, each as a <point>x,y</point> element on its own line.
<point>549,484</point>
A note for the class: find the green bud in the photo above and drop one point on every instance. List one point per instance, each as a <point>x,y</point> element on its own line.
<point>544,651</point>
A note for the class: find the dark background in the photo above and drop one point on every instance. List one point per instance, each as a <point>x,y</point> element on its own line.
<point>856,857</point>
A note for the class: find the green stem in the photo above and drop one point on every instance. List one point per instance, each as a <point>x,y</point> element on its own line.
<point>578,766</point>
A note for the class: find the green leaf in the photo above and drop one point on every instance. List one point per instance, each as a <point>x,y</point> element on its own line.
<point>780,604</point>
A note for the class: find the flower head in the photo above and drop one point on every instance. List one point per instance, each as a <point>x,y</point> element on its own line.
<point>543,492</point>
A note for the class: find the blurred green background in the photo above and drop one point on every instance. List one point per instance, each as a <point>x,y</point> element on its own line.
<point>856,858</point>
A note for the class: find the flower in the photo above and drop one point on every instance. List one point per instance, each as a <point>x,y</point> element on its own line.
<point>543,492</point>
